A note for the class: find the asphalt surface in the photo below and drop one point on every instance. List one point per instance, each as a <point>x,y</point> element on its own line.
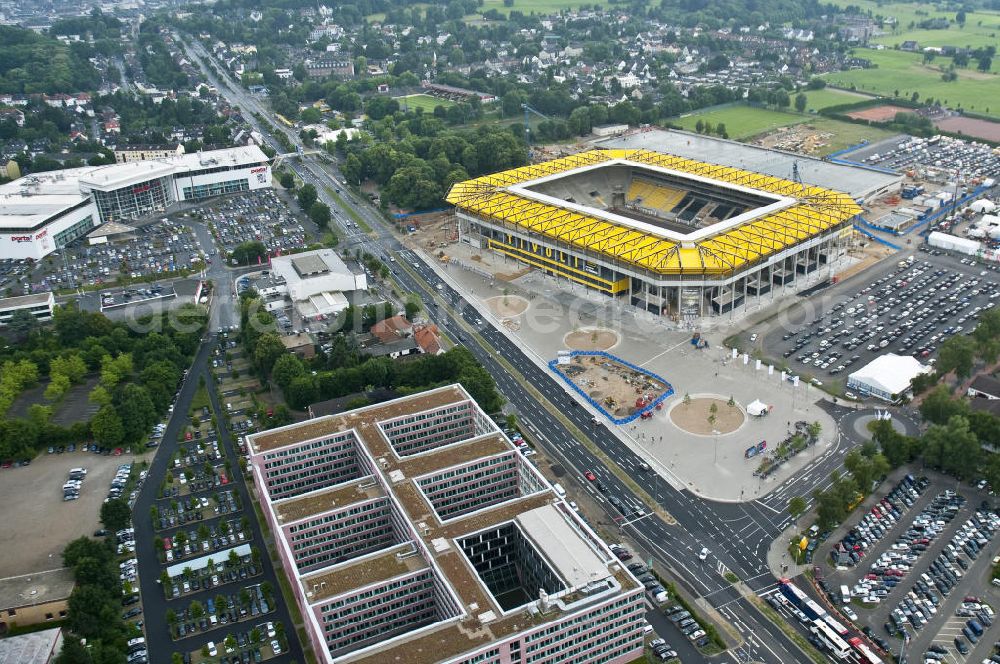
<point>820,312</point>
<point>154,605</point>
<point>737,534</point>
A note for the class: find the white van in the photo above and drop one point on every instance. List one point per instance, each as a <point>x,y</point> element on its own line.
<point>561,492</point>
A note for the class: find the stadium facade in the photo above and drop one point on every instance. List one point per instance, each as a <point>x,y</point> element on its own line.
<point>414,532</point>
<point>678,237</point>
<point>43,212</point>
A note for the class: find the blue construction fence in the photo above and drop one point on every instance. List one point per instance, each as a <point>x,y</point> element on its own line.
<point>555,366</point>
<point>848,149</point>
<point>417,213</point>
<point>876,238</point>
<point>946,209</point>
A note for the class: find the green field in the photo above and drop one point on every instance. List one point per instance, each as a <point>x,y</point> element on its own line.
<point>981,27</point>
<point>537,6</point>
<point>817,100</point>
<point>523,6</point>
<point>744,122</point>
<point>426,102</point>
<point>846,134</point>
<point>905,72</point>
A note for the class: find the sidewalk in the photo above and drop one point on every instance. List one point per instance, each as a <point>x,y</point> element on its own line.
<point>778,559</point>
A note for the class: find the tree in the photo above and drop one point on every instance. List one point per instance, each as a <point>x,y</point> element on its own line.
<point>796,507</point>
<point>412,307</point>
<point>116,515</point>
<point>107,427</point>
<point>71,366</point>
<point>267,351</point>
<point>287,180</point>
<point>136,410</point>
<point>246,253</point>
<point>953,447</point>
<point>306,196</point>
<point>22,323</point>
<point>800,102</point>
<point>938,406</point>
<point>960,18</point>
<point>196,610</point>
<point>957,354</point>
<point>985,63</point>
<point>319,213</point>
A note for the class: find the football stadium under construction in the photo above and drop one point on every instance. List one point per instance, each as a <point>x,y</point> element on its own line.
<point>678,237</point>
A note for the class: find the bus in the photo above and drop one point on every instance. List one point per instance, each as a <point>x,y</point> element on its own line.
<point>833,642</point>
<point>283,120</point>
<point>801,600</point>
<point>834,625</point>
<point>865,654</point>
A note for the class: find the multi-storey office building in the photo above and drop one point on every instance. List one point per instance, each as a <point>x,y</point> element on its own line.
<point>414,532</point>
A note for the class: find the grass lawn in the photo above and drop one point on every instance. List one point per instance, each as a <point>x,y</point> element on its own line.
<point>817,100</point>
<point>426,102</point>
<point>742,122</point>
<point>846,134</point>
<point>981,27</point>
<point>537,6</point>
<point>905,72</point>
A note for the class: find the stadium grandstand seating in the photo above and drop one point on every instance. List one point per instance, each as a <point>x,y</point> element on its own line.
<point>654,196</point>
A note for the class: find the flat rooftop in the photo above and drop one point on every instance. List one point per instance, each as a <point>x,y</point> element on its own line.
<point>36,588</point>
<point>34,648</point>
<point>578,557</point>
<point>294,509</point>
<point>575,562</point>
<point>25,300</point>
<point>30,201</point>
<point>855,181</point>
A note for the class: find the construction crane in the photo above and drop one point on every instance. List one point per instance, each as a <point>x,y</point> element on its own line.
<point>527,126</point>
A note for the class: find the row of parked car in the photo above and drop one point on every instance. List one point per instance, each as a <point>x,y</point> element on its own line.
<point>687,624</point>
<point>878,521</point>
<point>894,564</point>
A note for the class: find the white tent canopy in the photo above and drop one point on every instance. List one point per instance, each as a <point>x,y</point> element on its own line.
<point>983,205</point>
<point>757,408</point>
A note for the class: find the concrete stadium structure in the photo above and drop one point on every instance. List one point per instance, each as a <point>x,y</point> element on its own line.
<point>413,531</point>
<point>678,237</point>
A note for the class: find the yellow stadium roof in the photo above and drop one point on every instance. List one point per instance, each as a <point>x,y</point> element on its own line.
<point>815,210</point>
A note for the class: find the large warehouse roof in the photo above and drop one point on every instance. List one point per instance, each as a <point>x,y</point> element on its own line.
<point>856,181</point>
<point>811,212</point>
<point>889,373</point>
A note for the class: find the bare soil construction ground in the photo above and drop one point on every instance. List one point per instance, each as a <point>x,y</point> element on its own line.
<point>597,338</point>
<point>693,416</point>
<point>971,127</point>
<point>612,384</point>
<point>878,113</point>
<point>37,522</point>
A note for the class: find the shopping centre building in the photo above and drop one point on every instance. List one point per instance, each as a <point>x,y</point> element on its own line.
<point>42,212</point>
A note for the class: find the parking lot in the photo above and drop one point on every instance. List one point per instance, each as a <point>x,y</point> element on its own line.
<point>903,307</point>
<point>942,154</point>
<point>34,494</point>
<point>918,550</point>
<point>259,216</point>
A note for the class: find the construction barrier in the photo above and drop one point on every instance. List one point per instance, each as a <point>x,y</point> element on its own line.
<point>554,365</point>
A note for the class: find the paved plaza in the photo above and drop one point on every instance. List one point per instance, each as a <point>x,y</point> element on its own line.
<point>712,466</point>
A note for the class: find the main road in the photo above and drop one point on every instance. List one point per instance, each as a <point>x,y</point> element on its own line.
<point>736,534</point>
